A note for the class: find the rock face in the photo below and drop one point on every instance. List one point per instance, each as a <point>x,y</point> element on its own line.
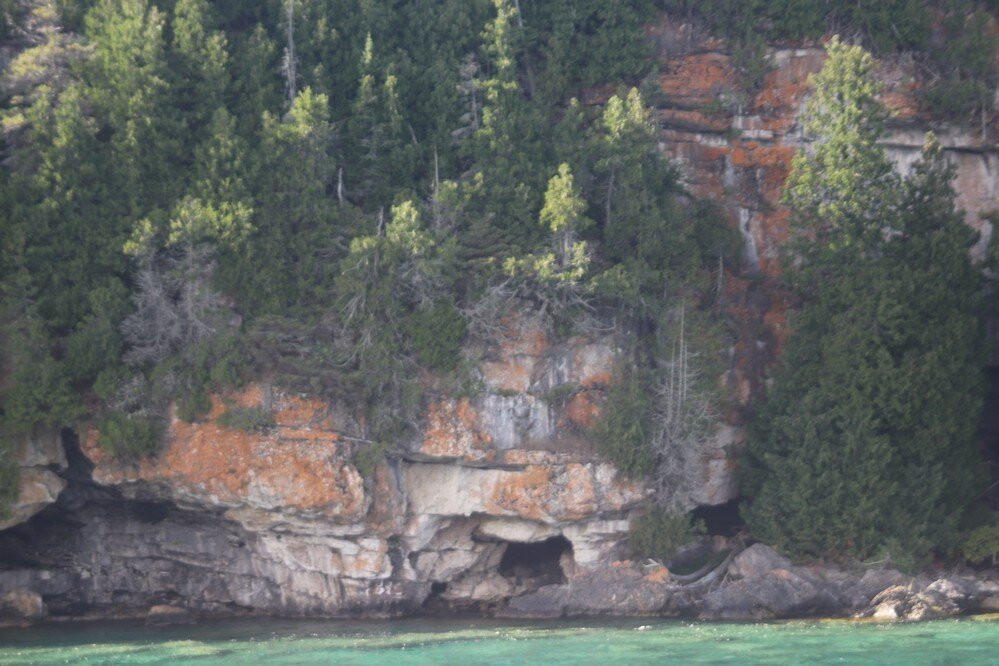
<point>22,605</point>
<point>500,504</point>
<point>735,148</point>
<point>39,458</point>
<point>499,495</point>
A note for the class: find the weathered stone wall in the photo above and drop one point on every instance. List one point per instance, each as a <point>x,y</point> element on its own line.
<point>736,148</point>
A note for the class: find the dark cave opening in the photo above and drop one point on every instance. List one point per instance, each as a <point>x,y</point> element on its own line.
<point>539,562</point>
<point>721,519</point>
<point>433,603</point>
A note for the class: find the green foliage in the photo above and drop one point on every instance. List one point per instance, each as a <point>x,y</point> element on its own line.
<point>9,478</point>
<point>622,433</point>
<point>865,444</point>
<point>193,404</point>
<point>843,191</point>
<point>982,545</point>
<point>37,389</point>
<point>367,456</point>
<point>248,419</point>
<point>176,224</point>
<point>128,438</point>
<point>965,62</point>
<point>659,533</point>
<point>436,333</point>
<point>886,25</point>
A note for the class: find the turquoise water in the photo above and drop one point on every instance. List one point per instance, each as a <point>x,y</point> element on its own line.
<point>967,641</point>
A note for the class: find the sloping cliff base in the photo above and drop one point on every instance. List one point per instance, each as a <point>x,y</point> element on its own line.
<point>409,543</point>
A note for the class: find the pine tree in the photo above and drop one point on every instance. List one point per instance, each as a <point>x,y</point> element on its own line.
<point>295,241</point>
<point>128,80</point>
<point>200,65</point>
<point>865,444</point>
<point>508,150</point>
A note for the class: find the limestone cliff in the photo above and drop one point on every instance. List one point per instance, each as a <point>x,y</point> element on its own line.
<point>502,494</point>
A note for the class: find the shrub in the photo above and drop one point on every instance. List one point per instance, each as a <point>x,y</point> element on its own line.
<point>128,437</point>
<point>660,533</point>
<point>192,405</point>
<point>436,333</point>
<point>367,456</point>
<point>982,545</point>
<point>956,98</point>
<point>622,431</point>
<point>250,419</point>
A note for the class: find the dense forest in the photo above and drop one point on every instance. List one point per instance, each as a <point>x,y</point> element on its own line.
<point>341,194</point>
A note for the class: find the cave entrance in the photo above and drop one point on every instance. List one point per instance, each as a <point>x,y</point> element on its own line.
<point>540,562</point>
<point>721,519</point>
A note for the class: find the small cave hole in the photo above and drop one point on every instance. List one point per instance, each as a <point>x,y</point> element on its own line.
<point>722,519</point>
<point>539,562</point>
<point>433,603</point>
<point>150,512</point>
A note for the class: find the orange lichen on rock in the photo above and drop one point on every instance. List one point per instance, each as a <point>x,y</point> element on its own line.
<point>581,410</point>
<point>786,85</point>
<point>698,79</point>
<point>523,494</point>
<point>299,467</point>
<point>658,574</point>
<point>453,431</point>
<point>522,336</point>
<point>578,493</point>
<point>513,373</point>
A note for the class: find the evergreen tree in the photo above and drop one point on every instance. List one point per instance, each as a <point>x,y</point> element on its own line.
<point>865,444</point>
<point>200,65</point>
<point>506,188</point>
<point>292,252</point>
<point>128,81</point>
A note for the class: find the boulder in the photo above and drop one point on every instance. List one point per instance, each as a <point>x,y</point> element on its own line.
<point>619,591</point>
<point>757,560</point>
<point>954,590</point>
<point>908,602</point>
<point>779,593</point>
<point>22,605</point>
<point>876,580</point>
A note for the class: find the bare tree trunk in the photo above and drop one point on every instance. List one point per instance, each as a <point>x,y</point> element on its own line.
<point>290,59</point>
<point>527,60</point>
<point>610,193</point>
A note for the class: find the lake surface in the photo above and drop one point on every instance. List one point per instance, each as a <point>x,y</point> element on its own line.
<point>400,642</point>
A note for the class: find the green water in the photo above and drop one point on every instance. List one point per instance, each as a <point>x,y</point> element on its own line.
<point>968,641</point>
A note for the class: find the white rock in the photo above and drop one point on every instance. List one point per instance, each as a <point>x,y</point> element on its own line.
<point>512,529</point>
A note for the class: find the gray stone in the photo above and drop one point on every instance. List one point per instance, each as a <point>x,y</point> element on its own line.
<point>876,580</point>
<point>756,560</point>
<point>622,591</point>
<point>22,605</point>
<point>776,594</point>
